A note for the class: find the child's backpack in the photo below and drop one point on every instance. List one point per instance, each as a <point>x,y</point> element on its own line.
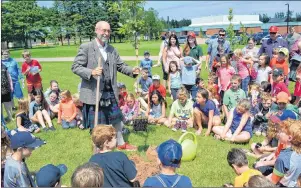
<point>140,123</point>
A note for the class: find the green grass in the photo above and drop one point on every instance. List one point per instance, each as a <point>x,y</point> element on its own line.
<point>73,147</point>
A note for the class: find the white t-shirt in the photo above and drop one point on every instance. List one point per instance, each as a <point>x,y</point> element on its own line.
<point>263,74</point>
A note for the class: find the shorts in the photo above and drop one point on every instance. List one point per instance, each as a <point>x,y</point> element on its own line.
<point>34,86</point>
<point>32,128</point>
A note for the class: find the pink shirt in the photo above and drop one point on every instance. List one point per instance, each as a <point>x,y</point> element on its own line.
<point>242,69</point>
<point>224,75</point>
<point>173,55</point>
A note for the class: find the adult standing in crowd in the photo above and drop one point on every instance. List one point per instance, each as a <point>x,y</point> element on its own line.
<point>268,45</point>
<point>292,37</point>
<point>251,50</point>
<point>212,48</point>
<point>86,66</point>
<point>192,49</point>
<point>172,52</point>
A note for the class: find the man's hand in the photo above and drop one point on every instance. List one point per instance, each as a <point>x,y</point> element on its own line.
<point>97,71</point>
<point>136,70</point>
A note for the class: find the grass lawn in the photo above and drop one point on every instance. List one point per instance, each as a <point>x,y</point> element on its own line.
<point>73,147</point>
<point>124,49</point>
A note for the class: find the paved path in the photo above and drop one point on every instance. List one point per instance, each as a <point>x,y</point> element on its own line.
<point>55,59</point>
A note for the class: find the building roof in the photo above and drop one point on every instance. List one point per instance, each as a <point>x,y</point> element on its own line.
<point>277,20</point>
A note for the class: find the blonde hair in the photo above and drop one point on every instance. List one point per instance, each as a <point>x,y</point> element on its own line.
<point>272,129</point>
<point>265,96</point>
<point>238,53</point>
<point>67,93</point>
<point>254,86</point>
<point>295,131</point>
<point>101,134</point>
<point>131,96</point>
<point>182,92</point>
<point>23,106</point>
<point>236,77</point>
<point>87,175</point>
<point>75,97</point>
<point>26,53</point>
<point>244,103</point>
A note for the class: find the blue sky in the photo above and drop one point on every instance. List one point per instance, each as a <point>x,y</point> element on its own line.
<point>194,9</point>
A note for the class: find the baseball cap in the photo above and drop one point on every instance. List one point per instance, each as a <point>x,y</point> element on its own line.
<point>188,60</point>
<point>156,77</point>
<point>49,175</point>
<point>284,51</point>
<point>23,139</point>
<point>277,72</point>
<point>146,53</point>
<point>170,153</point>
<point>273,29</point>
<point>192,34</point>
<point>286,114</point>
<point>282,97</point>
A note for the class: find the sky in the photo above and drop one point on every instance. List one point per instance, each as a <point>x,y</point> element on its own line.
<point>195,9</point>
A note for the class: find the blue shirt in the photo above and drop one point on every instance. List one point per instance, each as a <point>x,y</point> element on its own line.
<point>188,74</point>
<point>118,170</point>
<point>209,105</point>
<point>147,63</point>
<point>13,69</point>
<point>268,45</point>
<point>236,121</point>
<point>169,180</point>
<point>212,48</point>
<point>145,84</point>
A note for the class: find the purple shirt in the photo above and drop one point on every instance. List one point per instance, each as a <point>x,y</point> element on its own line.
<point>268,46</point>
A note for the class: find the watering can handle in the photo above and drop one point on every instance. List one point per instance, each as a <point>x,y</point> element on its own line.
<point>183,135</point>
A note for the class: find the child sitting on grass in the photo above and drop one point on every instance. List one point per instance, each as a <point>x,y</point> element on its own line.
<point>87,175</point>
<point>157,112</point>
<point>131,109</point>
<point>238,128</point>
<point>205,112</point>
<point>23,120</point>
<point>144,82</point>
<point>213,90</point>
<point>181,112</point>
<point>287,167</point>
<point>237,159</point>
<point>54,86</point>
<point>79,114</point>
<point>67,111</point>
<point>122,94</point>
<point>169,158</point>
<point>199,84</point>
<point>118,170</point>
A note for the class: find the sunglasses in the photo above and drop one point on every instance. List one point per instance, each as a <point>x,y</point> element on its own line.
<point>222,34</point>
<point>272,33</point>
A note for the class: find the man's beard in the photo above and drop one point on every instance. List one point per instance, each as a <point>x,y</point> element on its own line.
<point>102,38</point>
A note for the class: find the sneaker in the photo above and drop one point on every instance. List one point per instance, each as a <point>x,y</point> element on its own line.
<point>45,129</point>
<point>127,147</point>
<point>184,126</point>
<point>51,128</point>
<point>177,126</point>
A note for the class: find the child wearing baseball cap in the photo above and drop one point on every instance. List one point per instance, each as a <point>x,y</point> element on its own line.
<point>284,109</point>
<point>16,173</point>
<point>50,175</point>
<point>281,62</point>
<point>278,83</point>
<point>169,158</point>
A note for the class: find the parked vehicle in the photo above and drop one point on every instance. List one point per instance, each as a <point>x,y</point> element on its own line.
<point>212,37</point>
<point>258,37</point>
<point>268,36</point>
<point>182,39</point>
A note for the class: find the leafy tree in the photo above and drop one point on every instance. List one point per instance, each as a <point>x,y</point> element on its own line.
<point>152,24</point>
<point>243,35</point>
<point>184,22</point>
<point>264,18</point>
<point>298,17</point>
<point>230,29</point>
<point>279,15</point>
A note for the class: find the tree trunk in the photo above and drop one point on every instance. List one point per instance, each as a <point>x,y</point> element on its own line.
<point>7,44</point>
<point>80,39</point>
<point>114,39</point>
<point>61,37</point>
<point>68,39</point>
<point>74,39</point>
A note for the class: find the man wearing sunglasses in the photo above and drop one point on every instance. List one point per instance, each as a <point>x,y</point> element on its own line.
<point>274,41</point>
<point>212,48</point>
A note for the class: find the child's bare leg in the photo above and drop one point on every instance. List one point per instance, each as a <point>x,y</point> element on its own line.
<point>37,131</point>
<point>161,121</point>
<point>242,137</point>
<point>198,120</point>
<point>38,117</point>
<point>218,130</point>
<point>151,119</point>
<point>225,110</point>
<point>47,117</point>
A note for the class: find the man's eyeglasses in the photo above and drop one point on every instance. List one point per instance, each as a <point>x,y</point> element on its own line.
<point>222,35</point>
<point>272,33</point>
<point>105,30</point>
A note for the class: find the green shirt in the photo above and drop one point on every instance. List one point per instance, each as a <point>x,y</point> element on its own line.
<point>195,52</point>
<point>231,98</point>
<point>178,110</point>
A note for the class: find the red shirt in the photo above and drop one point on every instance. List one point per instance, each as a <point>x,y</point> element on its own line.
<point>161,89</point>
<point>29,77</point>
<point>278,87</point>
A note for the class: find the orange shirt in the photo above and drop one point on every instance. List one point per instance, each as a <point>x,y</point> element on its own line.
<point>67,110</point>
<point>274,63</point>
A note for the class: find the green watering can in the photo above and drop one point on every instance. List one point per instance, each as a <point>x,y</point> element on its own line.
<point>188,146</point>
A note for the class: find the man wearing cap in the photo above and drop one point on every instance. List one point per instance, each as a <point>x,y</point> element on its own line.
<point>170,155</point>
<point>268,45</point>
<point>16,173</point>
<point>86,66</point>
<point>292,37</point>
<point>147,63</point>
<point>212,48</point>
<point>50,175</point>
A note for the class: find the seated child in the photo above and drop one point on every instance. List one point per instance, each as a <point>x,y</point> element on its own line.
<point>254,96</point>
<point>233,95</point>
<point>87,175</point>
<point>181,112</point>
<point>157,112</point>
<point>169,158</point>
<point>23,120</point>
<point>67,111</point>
<point>199,84</point>
<point>147,63</point>
<point>79,107</point>
<point>174,79</point>
<point>54,86</point>
<point>131,109</point>
<point>238,128</point>
<point>287,167</point>
<point>144,82</point>
<point>53,103</point>
<point>118,170</point>
<point>157,86</point>
<point>278,84</point>
<point>213,90</point>
<point>205,112</point>
<point>16,173</point>
<point>122,94</point>
<point>50,175</point>
<point>283,106</point>
<point>237,159</point>
<point>39,110</point>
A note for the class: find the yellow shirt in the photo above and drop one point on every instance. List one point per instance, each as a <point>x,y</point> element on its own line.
<point>244,177</point>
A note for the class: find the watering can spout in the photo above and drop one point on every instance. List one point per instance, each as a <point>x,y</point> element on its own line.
<point>189,146</point>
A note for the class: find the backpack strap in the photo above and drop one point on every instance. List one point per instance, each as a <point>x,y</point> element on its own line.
<point>177,181</point>
<point>161,181</point>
